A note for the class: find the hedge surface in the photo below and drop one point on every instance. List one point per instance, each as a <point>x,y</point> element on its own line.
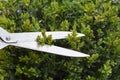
<point>97,19</point>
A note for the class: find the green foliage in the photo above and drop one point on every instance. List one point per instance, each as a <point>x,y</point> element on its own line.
<point>73,40</point>
<point>44,39</point>
<point>106,70</point>
<point>98,19</point>
<point>64,25</point>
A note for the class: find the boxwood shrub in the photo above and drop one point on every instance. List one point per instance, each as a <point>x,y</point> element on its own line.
<point>97,19</point>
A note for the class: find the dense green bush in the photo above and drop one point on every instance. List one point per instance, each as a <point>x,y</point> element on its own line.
<point>97,19</point>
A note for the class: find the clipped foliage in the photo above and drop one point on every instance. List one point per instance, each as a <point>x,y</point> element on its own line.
<point>97,19</point>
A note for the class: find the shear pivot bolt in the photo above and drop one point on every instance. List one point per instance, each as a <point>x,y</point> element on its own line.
<point>8,38</point>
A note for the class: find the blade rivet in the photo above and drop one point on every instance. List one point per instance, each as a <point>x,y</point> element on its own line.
<point>8,38</point>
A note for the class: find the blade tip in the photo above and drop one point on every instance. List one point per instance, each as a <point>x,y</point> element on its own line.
<point>85,55</point>
<point>79,34</point>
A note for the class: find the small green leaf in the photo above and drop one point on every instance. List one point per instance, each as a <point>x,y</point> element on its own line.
<point>40,40</point>
<point>64,25</point>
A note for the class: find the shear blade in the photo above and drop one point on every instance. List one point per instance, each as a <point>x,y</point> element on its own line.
<point>2,44</point>
<point>31,36</point>
<point>51,49</point>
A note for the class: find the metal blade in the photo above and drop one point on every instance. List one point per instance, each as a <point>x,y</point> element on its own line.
<point>2,44</point>
<point>31,36</point>
<point>3,34</point>
<point>50,49</point>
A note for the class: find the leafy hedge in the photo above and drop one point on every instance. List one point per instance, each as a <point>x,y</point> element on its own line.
<point>97,19</point>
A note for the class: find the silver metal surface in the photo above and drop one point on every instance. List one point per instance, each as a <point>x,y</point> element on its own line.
<point>50,49</point>
<point>28,40</point>
<point>31,36</point>
<point>3,34</point>
<point>2,44</point>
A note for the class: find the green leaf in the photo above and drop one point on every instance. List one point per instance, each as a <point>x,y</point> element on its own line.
<point>64,25</point>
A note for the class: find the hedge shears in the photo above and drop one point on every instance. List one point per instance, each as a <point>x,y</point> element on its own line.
<point>28,40</point>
